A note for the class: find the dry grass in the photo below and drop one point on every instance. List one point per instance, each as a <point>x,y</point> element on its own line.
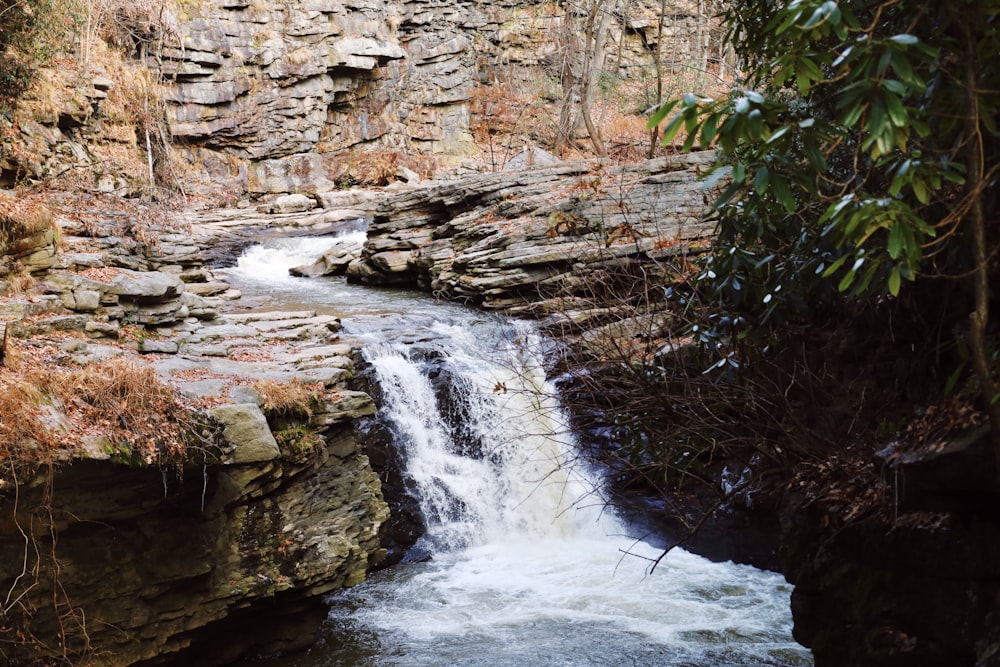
<point>294,397</point>
<point>121,400</point>
<point>22,215</point>
<point>378,167</point>
<point>512,112</point>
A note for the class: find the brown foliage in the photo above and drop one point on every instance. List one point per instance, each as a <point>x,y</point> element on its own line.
<point>378,167</point>
<point>120,400</point>
<point>21,216</point>
<point>294,397</point>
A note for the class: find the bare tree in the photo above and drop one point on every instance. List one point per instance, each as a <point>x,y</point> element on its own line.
<point>581,66</point>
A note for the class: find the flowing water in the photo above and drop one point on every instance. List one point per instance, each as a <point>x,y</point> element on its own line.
<point>526,564</point>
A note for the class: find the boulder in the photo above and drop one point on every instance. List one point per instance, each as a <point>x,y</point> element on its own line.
<point>248,438</point>
<point>296,203</point>
<point>146,287</point>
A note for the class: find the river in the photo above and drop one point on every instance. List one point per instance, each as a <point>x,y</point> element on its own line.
<point>525,565</point>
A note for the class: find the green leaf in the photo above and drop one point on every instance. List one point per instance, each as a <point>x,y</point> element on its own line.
<point>895,246</point>
<point>897,112</point>
<point>784,194</point>
<point>660,114</point>
<point>832,269</point>
<point>708,130</point>
<point>903,69</point>
<point>949,386</point>
<point>755,124</point>
<point>777,134</point>
<point>739,173</point>
<point>853,115</point>
<point>843,56</point>
<point>846,281</point>
<point>760,181</point>
<point>894,281</point>
<point>671,130</point>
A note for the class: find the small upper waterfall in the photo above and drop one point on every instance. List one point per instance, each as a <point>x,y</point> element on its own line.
<point>526,566</point>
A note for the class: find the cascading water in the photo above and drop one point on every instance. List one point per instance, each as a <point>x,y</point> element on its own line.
<point>526,566</point>
<point>500,470</point>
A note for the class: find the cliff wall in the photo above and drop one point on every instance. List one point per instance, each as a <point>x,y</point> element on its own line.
<point>234,96</point>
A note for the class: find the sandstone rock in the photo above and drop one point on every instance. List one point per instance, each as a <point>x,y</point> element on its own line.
<point>362,200</point>
<point>150,345</point>
<point>247,435</point>
<point>206,289</point>
<point>512,239</point>
<point>349,405</point>
<point>146,286</point>
<point>332,263</point>
<point>289,204</point>
<point>531,157</point>
<point>86,300</point>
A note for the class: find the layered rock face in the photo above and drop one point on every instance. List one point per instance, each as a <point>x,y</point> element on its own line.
<point>915,584</point>
<point>287,86</point>
<point>540,240</point>
<point>148,559</point>
<point>109,273</point>
<point>272,95</point>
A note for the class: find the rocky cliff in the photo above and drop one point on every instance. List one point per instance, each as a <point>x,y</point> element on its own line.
<point>277,94</point>
<point>175,479</point>
<point>228,97</point>
<point>542,240</point>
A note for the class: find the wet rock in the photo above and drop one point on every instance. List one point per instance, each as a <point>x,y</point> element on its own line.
<point>332,263</point>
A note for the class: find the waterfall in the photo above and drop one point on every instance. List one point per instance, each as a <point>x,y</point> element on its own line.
<point>526,565</point>
<point>498,462</point>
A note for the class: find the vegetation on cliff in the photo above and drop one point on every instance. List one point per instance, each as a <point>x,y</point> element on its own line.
<point>863,152</point>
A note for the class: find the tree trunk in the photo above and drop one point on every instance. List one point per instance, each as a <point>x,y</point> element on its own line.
<point>595,32</point>
<point>569,80</point>
<point>976,223</point>
<point>4,334</point>
<point>654,133</point>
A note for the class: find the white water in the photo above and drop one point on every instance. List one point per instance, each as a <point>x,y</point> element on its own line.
<point>527,566</point>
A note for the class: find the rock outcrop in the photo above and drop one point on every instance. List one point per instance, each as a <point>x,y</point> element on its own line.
<point>540,241</point>
<point>274,96</point>
<point>109,558</point>
<point>917,583</point>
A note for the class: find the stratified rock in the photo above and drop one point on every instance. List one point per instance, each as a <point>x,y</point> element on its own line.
<point>515,240</point>
<point>531,157</point>
<point>145,286</point>
<point>288,204</point>
<point>334,262</point>
<point>149,345</point>
<point>349,405</point>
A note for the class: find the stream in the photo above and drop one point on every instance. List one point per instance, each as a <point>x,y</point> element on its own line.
<point>522,563</point>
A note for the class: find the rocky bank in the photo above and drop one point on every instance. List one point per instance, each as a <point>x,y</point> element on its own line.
<point>222,549</point>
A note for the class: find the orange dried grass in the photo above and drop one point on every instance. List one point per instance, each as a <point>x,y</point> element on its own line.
<point>287,398</point>
<point>119,399</point>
